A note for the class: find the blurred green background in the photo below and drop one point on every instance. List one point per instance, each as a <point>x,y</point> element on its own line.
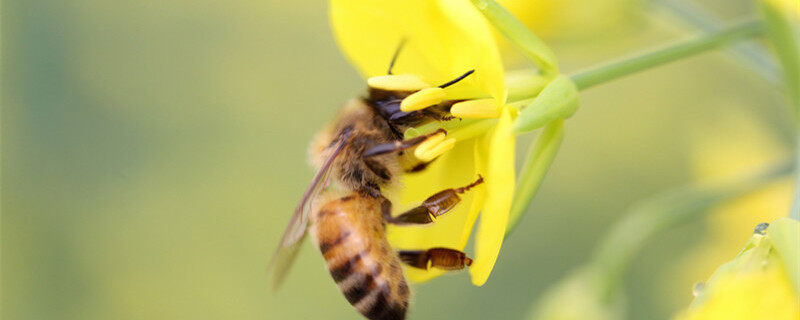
<point>153,153</point>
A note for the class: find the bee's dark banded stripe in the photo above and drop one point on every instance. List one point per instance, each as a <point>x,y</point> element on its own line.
<point>382,306</point>
<point>324,246</point>
<point>356,290</point>
<point>378,306</point>
<point>345,269</point>
<point>395,312</point>
<point>359,258</point>
<point>359,290</point>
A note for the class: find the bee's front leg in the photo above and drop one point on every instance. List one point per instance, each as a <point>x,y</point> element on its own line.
<point>436,205</point>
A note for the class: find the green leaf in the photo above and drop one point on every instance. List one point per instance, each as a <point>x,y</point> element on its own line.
<point>785,235</point>
<point>528,43</point>
<point>558,100</point>
<point>536,164</point>
<point>782,32</point>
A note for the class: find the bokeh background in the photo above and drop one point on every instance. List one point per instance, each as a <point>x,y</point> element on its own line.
<point>153,152</point>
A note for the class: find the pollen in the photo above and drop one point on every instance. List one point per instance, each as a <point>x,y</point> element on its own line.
<point>476,109</point>
<point>422,99</point>
<point>398,82</point>
<point>432,148</point>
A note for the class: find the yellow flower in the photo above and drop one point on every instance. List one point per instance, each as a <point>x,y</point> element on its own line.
<point>442,40</point>
<point>579,296</point>
<point>789,6</point>
<point>732,144</point>
<point>755,285</point>
<point>572,18</point>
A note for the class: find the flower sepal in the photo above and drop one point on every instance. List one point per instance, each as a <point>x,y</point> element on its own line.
<point>558,100</point>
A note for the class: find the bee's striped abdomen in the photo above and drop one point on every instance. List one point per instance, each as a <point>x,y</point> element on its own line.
<point>350,236</point>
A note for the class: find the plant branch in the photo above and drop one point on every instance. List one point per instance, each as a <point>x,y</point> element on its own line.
<point>795,213</point>
<point>670,53</point>
<point>752,55</point>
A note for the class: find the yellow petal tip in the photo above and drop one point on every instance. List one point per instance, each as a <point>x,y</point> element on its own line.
<point>476,109</point>
<point>422,99</point>
<point>397,82</point>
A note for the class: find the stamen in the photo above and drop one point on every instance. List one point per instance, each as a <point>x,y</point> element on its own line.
<point>422,99</point>
<point>436,150</point>
<point>476,109</point>
<point>429,143</point>
<point>398,82</point>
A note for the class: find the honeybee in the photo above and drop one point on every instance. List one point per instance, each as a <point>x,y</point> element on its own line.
<point>360,153</point>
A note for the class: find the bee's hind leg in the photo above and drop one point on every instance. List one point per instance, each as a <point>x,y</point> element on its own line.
<point>436,205</point>
<point>440,258</point>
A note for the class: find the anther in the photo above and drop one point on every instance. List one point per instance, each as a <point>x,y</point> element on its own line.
<point>422,99</point>
<point>429,143</point>
<point>476,109</point>
<point>434,149</point>
<point>398,82</point>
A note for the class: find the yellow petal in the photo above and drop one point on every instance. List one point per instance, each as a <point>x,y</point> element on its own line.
<point>422,99</point>
<point>762,295</point>
<point>499,192</point>
<point>455,168</point>
<point>444,39</point>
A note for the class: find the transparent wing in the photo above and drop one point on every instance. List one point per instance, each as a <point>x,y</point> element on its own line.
<point>295,232</point>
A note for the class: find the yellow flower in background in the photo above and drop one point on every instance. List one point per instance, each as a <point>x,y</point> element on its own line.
<point>758,283</point>
<point>733,144</point>
<point>789,6</point>
<point>442,40</point>
<point>571,18</point>
<point>580,296</point>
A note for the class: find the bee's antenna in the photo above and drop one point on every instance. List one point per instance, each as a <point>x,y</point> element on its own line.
<point>454,81</point>
<point>396,54</point>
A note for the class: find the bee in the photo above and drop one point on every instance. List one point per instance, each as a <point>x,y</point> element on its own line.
<point>359,154</point>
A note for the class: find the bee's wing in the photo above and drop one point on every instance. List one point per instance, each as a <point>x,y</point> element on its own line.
<point>295,232</point>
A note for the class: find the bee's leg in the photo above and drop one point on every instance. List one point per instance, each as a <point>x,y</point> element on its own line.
<point>440,258</point>
<point>436,205</point>
<point>395,146</point>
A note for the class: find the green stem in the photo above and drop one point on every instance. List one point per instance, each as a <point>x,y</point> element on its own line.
<point>782,33</point>
<point>752,55</point>
<point>520,36</point>
<point>665,211</point>
<point>795,213</point>
<point>536,165</point>
<point>680,50</point>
